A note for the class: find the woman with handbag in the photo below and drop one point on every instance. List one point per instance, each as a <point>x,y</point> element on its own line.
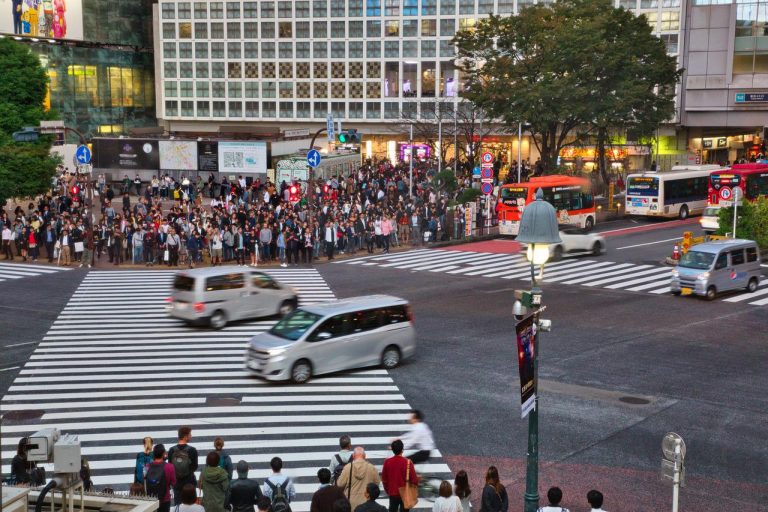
<point>495,497</point>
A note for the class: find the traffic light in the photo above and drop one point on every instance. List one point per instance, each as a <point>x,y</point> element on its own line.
<point>350,136</point>
<point>75,190</point>
<point>294,193</point>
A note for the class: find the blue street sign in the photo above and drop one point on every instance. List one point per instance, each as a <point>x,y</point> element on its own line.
<point>476,172</point>
<point>486,188</point>
<point>83,155</point>
<point>313,158</point>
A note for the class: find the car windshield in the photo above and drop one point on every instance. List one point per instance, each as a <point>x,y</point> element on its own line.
<point>711,212</point>
<point>697,259</point>
<point>293,326</point>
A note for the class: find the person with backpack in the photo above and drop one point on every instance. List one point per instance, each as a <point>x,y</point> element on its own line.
<point>143,460</point>
<point>326,496</point>
<point>160,478</point>
<point>214,482</point>
<point>184,460</point>
<point>278,487</point>
<point>340,459</point>
<point>244,492</point>
<point>225,461</point>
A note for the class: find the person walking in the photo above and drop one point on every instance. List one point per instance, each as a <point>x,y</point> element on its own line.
<point>244,492</point>
<point>495,497</point>
<point>371,495</point>
<point>184,460</point>
<point>397,470</point>
<point>214,482</point>
<point>447,501</point>
<point>356,476</point>
<point>326,496</point>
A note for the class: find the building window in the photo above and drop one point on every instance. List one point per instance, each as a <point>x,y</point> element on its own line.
<point>233,10</point>
<point>506,6</point>
<point>373,110</point>
<point>217,31</point>
<point>185,70</point>
<point>267,30</point>
<point>410,28</point>
<point>235,109</point>
<point>392,49</point>
<point>285,30</point>
<point>428,48</point>
<point>373,49</point>
<point>202,89</point>
<point>201,30</point>
<point>185,50</point>
<point>356,29</point>
<point>447,28</point>
<point>250,30</point>
<point>410,49</point>
<point>171,108</point>
<point>217,70</point>
<point>391,110</point>
<point>302,9</point>
<point>468,7</point>
<point>338,30</point>
<point>169,70</point>
<point>203,109</point>
<point>320,49</point>
<point>628,4</point>
<point>234,90</point>
<point>447,49</point>
<point>251,89</point>
<point>320,29</point>
<point>169,11</point>
<point>321,70</point>
<point>337,70</point>
<point>670,40</point>
<point>392,7</point>
<point>284,9</point>
<point>286,89</point>
<point>185,30</point>
<point>428,7</point>
<point>188,108</point>
<point>393,29</point>
<point>338,8</point>
<point>171,89</point>
<point>355,110</point>
<point>268,50</point>
<point>354,8</point>
<point>485,6</point>
<point>373,28</point>
<point>649,4</point>
<point>201,50</point>
<point>268,109</point>
<point>251,50</point>
<point>449,7</point>
<point>216,10</point>
<point>751,42</point>
<point>268,9</point>
<point>303,109</point>
<point>373,8</point>
<point>302,30</point>
<point>337,49</point>
<point>355,49</point>
<point>219,109</point>
<point>201,10</point>
<point>373,90</point>
<point>302,71</point>
<point>169,31</point>
<point>302,50</point>
<point>410,7</point>
<point>185,11</point>
<point>233,30</point>
<point>234,50</point>
<point>319,8</point>
<point>671,21</point>
<point>169,50</point>
<point>428,28</point>
<point>201,70</point>
<point>217,50</point>
<point>321,109</point>
<point>218,89</point>
<point>286,109</point>
<point>338,109</point>
<point>268,90</point>
<point>251,109</point>
<point>250,10</point>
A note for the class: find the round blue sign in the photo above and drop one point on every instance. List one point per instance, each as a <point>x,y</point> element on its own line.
<point>486,188</point>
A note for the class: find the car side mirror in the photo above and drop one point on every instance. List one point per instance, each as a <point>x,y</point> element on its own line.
<point>323,336</point>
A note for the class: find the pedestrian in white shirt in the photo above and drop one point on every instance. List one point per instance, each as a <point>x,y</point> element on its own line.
<point>419,438</point>
<point>555,496</point>
<point>447,502</point>
<point>595,499</point>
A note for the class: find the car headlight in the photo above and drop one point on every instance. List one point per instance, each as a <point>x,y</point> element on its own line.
<point>275,351</point>
<point>703,276</point>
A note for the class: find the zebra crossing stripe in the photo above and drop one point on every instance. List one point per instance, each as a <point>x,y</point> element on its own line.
<point>651,276</point>
<point>42,269</point>
<point>114,368</point>
<point>597,268</point>
<point>651,285</point>
<point>747,296</point>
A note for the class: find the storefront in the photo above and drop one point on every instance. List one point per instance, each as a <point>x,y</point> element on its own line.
<point>722,149</point>
<point>622,158</point>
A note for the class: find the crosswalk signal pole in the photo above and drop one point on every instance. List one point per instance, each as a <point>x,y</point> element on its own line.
<point>410,164</point>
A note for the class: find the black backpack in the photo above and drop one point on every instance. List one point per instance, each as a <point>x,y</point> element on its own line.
<point>279,496</point>
<point>155,482</point>
<point>338,468</point>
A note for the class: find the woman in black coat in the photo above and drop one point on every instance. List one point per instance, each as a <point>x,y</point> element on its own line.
<point>495,497</point>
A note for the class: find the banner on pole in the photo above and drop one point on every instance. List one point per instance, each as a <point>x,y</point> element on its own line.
<point>526,332</point>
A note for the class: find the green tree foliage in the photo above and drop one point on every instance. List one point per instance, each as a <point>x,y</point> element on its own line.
<point>752,223</point>
<point>572,70</point>
<point>25,168</point>
<point>445,181</point>
<point>468,195</point>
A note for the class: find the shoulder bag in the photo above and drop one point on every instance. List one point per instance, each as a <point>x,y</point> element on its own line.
<point>409,493</point>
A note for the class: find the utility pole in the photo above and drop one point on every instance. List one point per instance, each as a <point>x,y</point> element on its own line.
<point>410,164</point>
<point>519,150</point>
<point>439,138</point>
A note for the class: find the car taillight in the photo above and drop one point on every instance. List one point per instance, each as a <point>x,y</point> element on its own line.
<point>409,313</point>
<point>199,307</point>
<point>169,300</point>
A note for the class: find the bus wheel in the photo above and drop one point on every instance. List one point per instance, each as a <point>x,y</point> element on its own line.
<point>683,212</point>
<point>589,224</point>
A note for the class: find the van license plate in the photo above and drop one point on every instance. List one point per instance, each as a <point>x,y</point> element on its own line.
<point>686,291</point>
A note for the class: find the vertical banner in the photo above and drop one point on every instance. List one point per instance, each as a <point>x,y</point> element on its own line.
<point>526,331</point>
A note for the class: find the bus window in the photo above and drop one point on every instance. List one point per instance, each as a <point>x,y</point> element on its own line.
<point>589,201</point>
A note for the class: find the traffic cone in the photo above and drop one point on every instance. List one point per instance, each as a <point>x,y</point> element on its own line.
<point>676,252</point>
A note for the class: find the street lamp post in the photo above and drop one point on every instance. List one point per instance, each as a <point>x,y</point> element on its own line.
<point>538,229</point>
<point>519,149</point>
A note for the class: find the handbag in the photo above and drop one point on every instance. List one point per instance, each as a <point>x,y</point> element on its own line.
<point>79,246</point>
<point>409,493</point>
<point>166,255</point>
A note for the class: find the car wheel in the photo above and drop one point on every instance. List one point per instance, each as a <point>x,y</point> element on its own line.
<point>676,292</point>
<point>287,307</point>
<point>752,285</point>
<point>390,358</point>
<point>683,212</point>
<point>557,253</point>
<point>589,224</point>
<point>218,319</point>
<point>597,249</point>
<point>301,371</point>
<point>711,293</point>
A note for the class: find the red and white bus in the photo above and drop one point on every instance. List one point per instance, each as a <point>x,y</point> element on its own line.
<point>571,197</point>
<point>751,178</point>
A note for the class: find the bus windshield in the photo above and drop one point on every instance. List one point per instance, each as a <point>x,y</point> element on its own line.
<point>643,186</point>
<point>514,193</point>
<point>697,259</point>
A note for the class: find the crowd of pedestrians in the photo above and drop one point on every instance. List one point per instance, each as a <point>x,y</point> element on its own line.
<point>186,223</point>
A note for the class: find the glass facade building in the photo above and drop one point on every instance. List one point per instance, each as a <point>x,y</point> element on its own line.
<point>103,84</point>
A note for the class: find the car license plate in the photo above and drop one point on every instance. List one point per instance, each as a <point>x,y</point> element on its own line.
<point>686,291</point>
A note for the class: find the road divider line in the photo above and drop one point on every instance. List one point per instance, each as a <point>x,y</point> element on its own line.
<point>649,243</point>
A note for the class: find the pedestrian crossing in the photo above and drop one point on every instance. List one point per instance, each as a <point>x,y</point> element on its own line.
<point>21,270</point>
<point>592,273</point>
<point>114,368</point>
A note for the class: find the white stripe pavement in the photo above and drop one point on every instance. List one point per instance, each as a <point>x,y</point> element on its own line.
<point>114,367</point>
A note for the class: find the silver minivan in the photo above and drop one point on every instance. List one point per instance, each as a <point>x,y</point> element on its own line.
<point>713,267</point>
<point>217,295</point>
<point>334,336</point>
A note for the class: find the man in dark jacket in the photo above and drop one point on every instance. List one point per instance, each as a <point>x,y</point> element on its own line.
<point>371,494</point>
<point>325,497</point>
<point>244,492</point>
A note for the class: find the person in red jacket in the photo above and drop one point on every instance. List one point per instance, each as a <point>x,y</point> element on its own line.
<point>393,476</point>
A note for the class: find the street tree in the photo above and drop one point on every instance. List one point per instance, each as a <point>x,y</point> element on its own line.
<point>436,117</point>
<point>545,66</point>
<point>473,126</point>
<point>26,168</point>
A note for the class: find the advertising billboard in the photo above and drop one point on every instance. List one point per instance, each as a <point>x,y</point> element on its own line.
<point>243,157</point>
<point>526,334</point>
<point>126,154</point>
<point>56,19</point>
<point>421,152</point>
<point>178,155</point>
<point>208,156</point>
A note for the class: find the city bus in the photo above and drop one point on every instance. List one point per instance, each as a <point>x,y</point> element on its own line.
<point>751,178</point>
<point>571,197</point>
<point>679,192</point>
